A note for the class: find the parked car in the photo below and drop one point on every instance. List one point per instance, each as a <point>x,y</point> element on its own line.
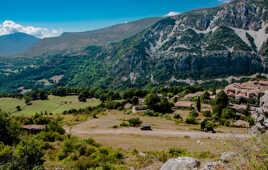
<point>147,127</point>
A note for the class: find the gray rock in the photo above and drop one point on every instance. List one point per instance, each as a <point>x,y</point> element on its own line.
<point>181,163</point>
<point>265,123</point>
<point>226,157</point>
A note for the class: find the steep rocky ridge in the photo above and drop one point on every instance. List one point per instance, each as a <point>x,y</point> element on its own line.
<point>204,43</point>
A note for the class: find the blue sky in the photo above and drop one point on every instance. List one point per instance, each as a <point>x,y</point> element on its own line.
<point>82,15</point>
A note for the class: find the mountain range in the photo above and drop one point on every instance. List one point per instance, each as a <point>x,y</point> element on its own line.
<point>201,44</point>
<point>16,43</point>
<point>73,41</point>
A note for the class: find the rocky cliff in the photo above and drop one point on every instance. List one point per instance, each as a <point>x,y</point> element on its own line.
<point>200,44</point>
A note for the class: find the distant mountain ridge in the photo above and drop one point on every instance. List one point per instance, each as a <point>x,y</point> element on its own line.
<point>79,40</point>
<point>15,43</point>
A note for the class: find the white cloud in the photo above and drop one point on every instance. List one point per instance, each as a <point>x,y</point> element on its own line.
<point>224,1</point>
<point>9,27</point>
<point>172,13</point>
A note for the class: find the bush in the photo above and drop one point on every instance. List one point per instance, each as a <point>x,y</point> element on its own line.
<point>151,113</point>
<point>134,122</point>
<point>124,124</point>
<point>30,154</point>
<point>114,104</point>
<point>207,113</point>
<point>55,127</point>
<point>9,129</point>
<point>158,104</point>
<point>5,153</point>
<point>207,126</point>
<point>49,136</point>
<point>194,114</point>
<point>18,108</point>
<point>135,100</point>
<point>228,113</point>
<point>191,120</point>
<point>177,116</point>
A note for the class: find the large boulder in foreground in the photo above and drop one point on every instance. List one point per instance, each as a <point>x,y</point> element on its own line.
<point>181,163</point>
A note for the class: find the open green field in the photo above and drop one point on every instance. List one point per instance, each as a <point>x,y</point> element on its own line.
<point>55,105</point>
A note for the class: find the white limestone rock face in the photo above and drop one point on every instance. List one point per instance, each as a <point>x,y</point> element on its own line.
<point>262,117</point>
<point>181,163</point>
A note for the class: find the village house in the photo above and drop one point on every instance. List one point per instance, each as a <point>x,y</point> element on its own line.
<point>248,90</point>
<point>184,105</point>
<point>33,128</point>
<point>138,109</point>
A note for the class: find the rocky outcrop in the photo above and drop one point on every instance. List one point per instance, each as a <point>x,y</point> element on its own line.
<point>181,163</point>
<point>262,117</point>
<point>226,157</point>
<point>189,163</point>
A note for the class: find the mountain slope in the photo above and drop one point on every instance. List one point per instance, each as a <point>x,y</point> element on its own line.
<point>79,40</point>
<point>200,44</point>
<point>16,43</point>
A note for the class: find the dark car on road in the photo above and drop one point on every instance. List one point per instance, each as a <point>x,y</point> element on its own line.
<point>146,127</point>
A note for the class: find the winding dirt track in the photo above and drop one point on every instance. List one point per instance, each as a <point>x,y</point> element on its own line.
<point>159,133</point>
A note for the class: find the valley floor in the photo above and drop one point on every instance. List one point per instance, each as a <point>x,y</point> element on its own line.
<point>166,134</point>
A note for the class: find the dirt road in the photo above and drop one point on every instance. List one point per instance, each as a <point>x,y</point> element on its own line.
<point>161,133</point>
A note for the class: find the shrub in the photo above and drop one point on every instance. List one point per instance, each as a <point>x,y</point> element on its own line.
<point>207,126</point>
<point>207,113</point>
<point>124,124</point>
<point>5,153</point>
<point>151,113</point>
<point>18,108</point>
<point>9,129</point>
<point>228,113</point>
<point>55,127</point>
<point>49,136</point>
<point>191,120</point>
<point>134,122</point>
<point>194,114</point>
<point>30,154</point>
<point>177,116</point>
<point>114,104</point>
<point>158,104</point>
<point>135,100</point>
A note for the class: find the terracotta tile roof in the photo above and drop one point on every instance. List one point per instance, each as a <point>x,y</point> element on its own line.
<point>184,104</point>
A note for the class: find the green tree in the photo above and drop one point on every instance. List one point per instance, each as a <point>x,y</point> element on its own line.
<point>29,153</point>
<point>135,100</point>
<point>9,129</point>
<point>198,104</point>
<point>18,108</point>
<point>228,113</point>
<point>205,97</point>
<point>222,99</point>
<point>27,100</point>
<point>134,122</point>
<point>151,100</point>
<point>158,104</point>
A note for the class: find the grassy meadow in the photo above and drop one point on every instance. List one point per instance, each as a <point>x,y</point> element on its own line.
<point>55,105</point>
